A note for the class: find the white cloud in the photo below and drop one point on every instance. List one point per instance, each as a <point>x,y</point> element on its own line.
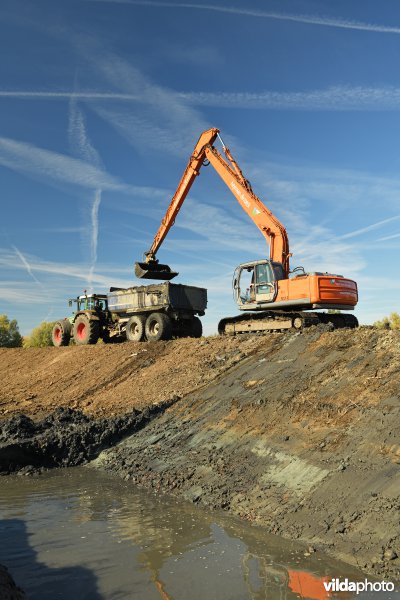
<point>162,122</point>
<point>61,271</point>
<point>51,167</point>
<point>21,293</point>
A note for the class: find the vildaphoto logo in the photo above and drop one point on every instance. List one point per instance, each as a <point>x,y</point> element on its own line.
<point>335,585</point>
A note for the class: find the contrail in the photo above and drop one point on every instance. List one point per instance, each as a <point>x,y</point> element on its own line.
<point>67,95</point>
<point>26,264</point>
<point>334,98</point>
<point>94,236</point>
<point>80,144</point>
<point>388,237</point>
<point>308,19</point>
<point>369,228</point>
<point>78,138</point>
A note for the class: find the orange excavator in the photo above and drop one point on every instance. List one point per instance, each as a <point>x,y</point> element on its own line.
<point>270,295</point>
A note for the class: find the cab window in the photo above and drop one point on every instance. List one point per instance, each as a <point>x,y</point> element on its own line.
<point>247,285</point>
<point>263,278</point>
<point>101,303</point>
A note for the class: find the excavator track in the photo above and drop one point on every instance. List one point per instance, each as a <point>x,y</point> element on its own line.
<point>278,321</point>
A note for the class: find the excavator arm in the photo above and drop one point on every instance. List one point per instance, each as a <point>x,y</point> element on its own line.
<point>229,171</point>
<point>271,228</point>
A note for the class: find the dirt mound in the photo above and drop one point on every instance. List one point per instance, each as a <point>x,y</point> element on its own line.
<point>105,380</point>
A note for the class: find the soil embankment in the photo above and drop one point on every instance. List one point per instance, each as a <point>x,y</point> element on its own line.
<point>297,432</point>
<point>302,437</point>
<point>107,380</point>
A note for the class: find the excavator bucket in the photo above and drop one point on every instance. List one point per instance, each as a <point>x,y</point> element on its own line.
<point>154,270</point>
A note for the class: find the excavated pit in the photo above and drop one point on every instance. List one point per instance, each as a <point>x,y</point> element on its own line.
<point>65,438</point>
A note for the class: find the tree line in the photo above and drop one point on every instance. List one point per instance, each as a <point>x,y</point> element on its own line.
<point>10,336</point>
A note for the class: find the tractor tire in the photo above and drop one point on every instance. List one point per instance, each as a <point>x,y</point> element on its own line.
<point>86,331</point>
<point>158,327</point>
<point>135,328</point>
<point>61,333</point>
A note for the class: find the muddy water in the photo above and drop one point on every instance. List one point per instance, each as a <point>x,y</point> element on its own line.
<point>79,534</point>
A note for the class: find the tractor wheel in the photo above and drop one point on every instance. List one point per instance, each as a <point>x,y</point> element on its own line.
<point>61,333</point>
<point>158,327</point>
<point>135,328</point>
<point>86,331</point>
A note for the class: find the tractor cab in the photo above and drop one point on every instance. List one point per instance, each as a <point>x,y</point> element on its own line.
<point>255,283</point>
<point>92,302</point>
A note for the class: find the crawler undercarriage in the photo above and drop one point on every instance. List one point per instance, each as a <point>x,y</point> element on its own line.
<point>269,321</point>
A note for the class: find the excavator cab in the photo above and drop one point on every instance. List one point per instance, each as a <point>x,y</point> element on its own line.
<point>255,282</point>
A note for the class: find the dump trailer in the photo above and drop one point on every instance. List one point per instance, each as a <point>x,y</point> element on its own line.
<point>149,312</point>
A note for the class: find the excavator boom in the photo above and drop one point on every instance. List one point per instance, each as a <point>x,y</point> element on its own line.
<point>229,171</point>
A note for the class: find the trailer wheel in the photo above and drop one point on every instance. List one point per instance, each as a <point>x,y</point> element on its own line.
<point>192,328</point>
<point>196,328</point>
<point>158,327</point>
<point>135,328</point>
<point>86,331</point>
<point>61,333</point>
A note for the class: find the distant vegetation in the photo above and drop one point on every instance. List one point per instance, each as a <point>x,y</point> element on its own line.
<point>40,336</point>
<point>392,322</point>
<point>9,333</point>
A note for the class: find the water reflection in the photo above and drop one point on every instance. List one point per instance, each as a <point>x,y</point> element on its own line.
<point>82,534</point>
<point>22,555</point>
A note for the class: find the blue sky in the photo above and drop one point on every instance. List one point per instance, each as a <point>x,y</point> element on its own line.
<point>102,102</point>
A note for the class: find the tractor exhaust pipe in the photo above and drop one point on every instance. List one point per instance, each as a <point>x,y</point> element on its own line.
<point>154,270</point>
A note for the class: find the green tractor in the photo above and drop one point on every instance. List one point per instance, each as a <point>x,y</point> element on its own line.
<point>147,312</point>
<point>90,321</point>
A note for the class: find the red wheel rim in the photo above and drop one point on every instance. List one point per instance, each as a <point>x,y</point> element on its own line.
<point>81,331</point>
<point>57,335</point>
